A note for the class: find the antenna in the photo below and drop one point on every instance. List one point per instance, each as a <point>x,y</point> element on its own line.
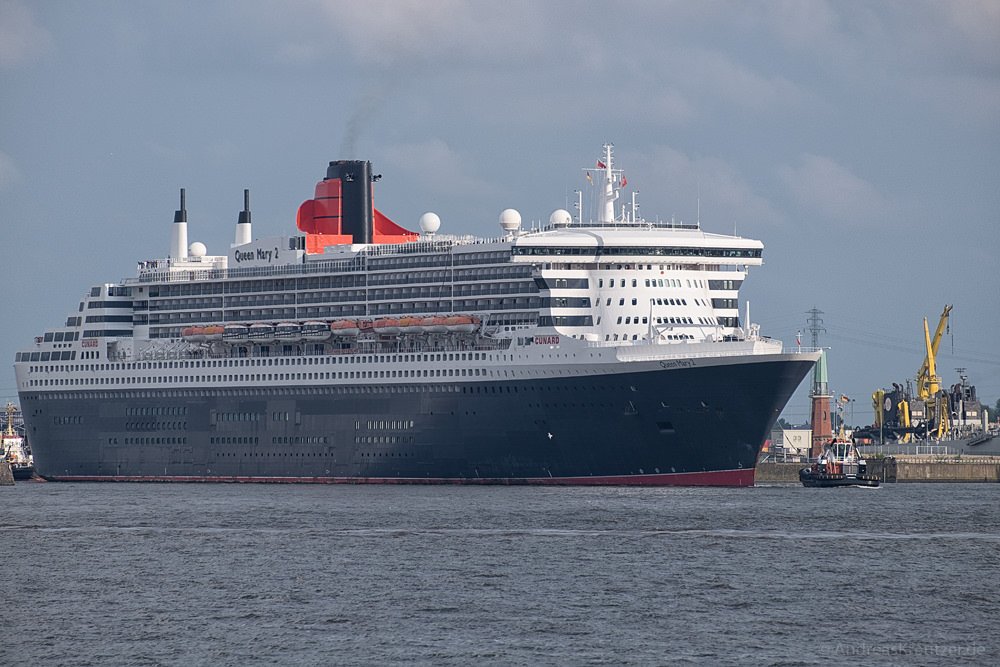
<point>699,207</point>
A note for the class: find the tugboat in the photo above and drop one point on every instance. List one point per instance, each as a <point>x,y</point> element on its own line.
<point>839,465</point>
<point>13,451</point>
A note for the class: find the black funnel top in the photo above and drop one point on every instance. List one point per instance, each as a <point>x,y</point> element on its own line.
<point>182,214</point>
<point>245,213</point>
<point>355,178</point>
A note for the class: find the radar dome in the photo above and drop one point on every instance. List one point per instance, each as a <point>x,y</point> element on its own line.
<point>197,249</point>
<point>430,223</point>
<point>510,220</point>
<point>560,218</point>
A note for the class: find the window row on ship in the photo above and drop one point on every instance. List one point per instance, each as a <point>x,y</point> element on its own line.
<point>261,377</point>
<point>324,312</point>
<point>346,296</point>
<point>346,281</point>
<point>638,251</point>
<point>713,285</point>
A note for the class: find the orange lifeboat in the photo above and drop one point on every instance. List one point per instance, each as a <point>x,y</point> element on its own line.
<point>386,326</point>
<point>409,325</point>
<point>344,328</point>
<point>434,324</point>
<point>461,323</point>
<point>214,332</point>
<point>193,334</point>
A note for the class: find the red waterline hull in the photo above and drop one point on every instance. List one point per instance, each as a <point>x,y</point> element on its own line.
<point>741,477</point>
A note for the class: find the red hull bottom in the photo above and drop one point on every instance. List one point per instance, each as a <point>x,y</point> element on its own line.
<point>740,477</point>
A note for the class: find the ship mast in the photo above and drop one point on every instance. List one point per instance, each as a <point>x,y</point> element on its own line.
<point>608,194</point>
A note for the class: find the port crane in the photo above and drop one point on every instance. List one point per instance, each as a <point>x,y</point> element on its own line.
<point>900,414</point>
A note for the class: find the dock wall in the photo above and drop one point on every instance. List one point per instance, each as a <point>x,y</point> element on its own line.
<point>901,469</point>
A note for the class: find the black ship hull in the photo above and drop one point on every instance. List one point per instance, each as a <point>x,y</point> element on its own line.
<point>688,426</point>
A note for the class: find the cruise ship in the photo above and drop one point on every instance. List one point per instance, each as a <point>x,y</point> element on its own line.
<point>599,351</point>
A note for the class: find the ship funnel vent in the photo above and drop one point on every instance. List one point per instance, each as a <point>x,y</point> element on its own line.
<point>182,214</point>
<point>245,213</point>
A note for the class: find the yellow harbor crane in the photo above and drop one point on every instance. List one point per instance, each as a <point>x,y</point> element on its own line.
<point>930,404</point>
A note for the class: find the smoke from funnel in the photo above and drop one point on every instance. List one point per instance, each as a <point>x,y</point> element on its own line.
<point>364,110</point>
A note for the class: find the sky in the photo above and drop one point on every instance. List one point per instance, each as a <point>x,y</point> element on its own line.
<point>860,141</point>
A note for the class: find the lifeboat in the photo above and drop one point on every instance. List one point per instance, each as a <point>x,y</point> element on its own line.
<point>261,332</point>
<point>434,324</point>
<point>315,330</point>
<point>344,328</point>
<point>235,333</point>
<point>193,334</point>
<point>288,331</point>
<point>386,326</point>
<point>461,323</point>
<point>410,325</point>
<point>214,332</point>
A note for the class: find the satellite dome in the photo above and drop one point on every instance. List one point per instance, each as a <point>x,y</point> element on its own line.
<point>430,223</point>
<point>560,218</point>
<point>197,249</point>
<point>510,220</point>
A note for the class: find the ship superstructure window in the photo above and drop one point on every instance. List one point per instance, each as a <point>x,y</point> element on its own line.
<point>736,253</point>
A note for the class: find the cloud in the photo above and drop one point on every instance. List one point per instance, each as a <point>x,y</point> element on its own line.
<point>9,173</point>
<point>435,167</point>
<point>672,182</point>
<point>405,33</point>
<point>21,39</point>
<point>820,184</point>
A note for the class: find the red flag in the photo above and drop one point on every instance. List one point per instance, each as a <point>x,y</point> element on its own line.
<point>624,181</point>
<point>601,165</point>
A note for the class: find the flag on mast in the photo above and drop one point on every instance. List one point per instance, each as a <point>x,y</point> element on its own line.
<point>624,181</point>
<point>601,165</point>
<point>589,179</point>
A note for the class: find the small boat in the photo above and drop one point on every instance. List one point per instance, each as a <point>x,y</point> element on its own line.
<point>838,465</point>
<point>193,334</point>
<point>410,325</point>
<point>213,332</point>
<point>288,332</point>
<point>12,449</point>
<point>344,328</point>
<point>262,332</point>
<point>461,323</point>
<point>386,326</point>
<point>434,325</point>
<point>235,333</point>
<point>315,330</point>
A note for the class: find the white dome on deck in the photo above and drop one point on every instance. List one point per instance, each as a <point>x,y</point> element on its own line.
<point>510,220</point>
<point>560,218</point>
<point>430,223</point>
<point>197,249</point>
